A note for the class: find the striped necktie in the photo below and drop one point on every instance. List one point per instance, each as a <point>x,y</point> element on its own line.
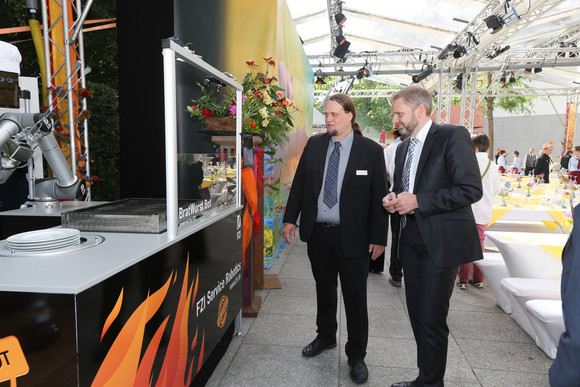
<point>330,192</point>
<point>407,173</point>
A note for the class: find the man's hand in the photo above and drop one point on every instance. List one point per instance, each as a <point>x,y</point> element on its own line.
<point>376,250</point>
<point>288,231</point>
<point>405,203</point>
<point>389,202</point>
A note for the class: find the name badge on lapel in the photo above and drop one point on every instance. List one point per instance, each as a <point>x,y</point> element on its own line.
<point>362,172</point>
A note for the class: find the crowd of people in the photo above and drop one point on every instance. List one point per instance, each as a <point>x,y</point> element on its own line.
<point>435,183</point>
<point>539,165</point>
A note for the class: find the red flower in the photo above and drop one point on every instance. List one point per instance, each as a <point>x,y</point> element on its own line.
<point>266,80</point>
<point>252,124</point>
<point>206,113</point>
<point>252,63</point>
<point>279,94</point>
<point>194,107</point>
<point>270,61</point>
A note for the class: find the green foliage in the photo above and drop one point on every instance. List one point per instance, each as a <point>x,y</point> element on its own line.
<point>374,113</point>
<point>104,146</point>
<point>266,111</point>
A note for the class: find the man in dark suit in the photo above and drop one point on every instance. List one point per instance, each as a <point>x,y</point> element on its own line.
<point>565,371</point>
<point>342,221</point>
<point>436,181</point>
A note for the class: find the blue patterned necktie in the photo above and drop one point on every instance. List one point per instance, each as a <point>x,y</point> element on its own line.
<point>330,193</point>
<point>407,173</point>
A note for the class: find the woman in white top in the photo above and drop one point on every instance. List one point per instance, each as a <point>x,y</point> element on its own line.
<point>481,209</point>
<point>501,162</point>
<point>516,164</point>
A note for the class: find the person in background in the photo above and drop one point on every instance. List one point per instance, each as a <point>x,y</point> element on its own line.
<point>501,162</point>
<point>564,161</point>
<point>544,161</point>
<point>530,162</point>
<point>395,266</point>
<point>565,370</point>
<point>337,191</point>
<point>436,180</point>
<point>497,152</point>
<point>516,164</point>
<point>481,209</point>
<point>574,165</point>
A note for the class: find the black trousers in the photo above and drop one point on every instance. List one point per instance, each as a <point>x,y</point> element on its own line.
<point>328,262</point>
<point>428,289</point>
<point>395,266</point>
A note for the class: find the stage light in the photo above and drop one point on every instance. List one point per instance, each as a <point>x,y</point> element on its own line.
<point>459,52</point>
<point>363,73</point>
<point>562,54</point>
<point>512,78</point>
<point>528,71</point>
<point>320,77</point>
<point>502,79</point>
<point>340,39</point>
<point>538,70</point>
<point>342,49</point>
<point>493,22</point>
<point>427,70</point>
<point>445,52</point>
<point>340,18</point>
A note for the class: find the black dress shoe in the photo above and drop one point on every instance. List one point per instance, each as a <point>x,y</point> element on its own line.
<point>359,372</point>
<point>317,346</point>
<point>405,384</point>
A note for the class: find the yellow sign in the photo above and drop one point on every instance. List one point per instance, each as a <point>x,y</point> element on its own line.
<point>12,360</point>
<point>222,311</point>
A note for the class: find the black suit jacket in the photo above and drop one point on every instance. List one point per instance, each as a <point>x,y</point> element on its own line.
<point>446,184</point>
<point>543,166</point>
<point>363,219</point>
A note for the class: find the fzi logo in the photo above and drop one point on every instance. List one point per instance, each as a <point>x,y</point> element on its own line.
<point>222,312</point>
<point>12,361</point>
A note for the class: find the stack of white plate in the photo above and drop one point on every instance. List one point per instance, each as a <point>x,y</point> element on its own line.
<point>40,240</point>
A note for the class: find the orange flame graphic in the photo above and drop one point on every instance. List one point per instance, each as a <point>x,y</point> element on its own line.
<point>123,365</point>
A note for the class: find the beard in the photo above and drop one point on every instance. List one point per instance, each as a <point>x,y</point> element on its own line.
<point>332,132</point>
<point>409,127</point>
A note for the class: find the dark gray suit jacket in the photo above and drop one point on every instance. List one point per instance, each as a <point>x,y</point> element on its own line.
<point>363,220</point>
<point>446,184</point>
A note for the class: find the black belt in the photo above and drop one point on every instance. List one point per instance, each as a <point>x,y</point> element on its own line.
<point>327,224</point>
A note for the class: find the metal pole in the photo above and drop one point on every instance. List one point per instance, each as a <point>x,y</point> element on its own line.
<point>69,86</point>
<point>169,94</point>
<point>81,53</point>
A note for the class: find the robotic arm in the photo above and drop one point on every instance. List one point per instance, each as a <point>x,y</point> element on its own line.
<point>19,135</point>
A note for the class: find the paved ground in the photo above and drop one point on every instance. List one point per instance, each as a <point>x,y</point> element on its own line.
<point>486,347</point>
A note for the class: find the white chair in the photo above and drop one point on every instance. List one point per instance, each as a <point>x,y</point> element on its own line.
<point>548,324</point>
<point>522,290</point>
<point>524,255</point>
<point>494,269</point>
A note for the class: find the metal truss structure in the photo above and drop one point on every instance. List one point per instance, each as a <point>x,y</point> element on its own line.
<point>477,49</point>
<point>65,73</point>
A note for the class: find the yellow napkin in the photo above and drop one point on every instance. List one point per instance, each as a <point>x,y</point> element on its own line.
<point>497,213</point>
<point>558,215</point>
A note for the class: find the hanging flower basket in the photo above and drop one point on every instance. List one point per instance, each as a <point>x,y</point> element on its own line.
<point>219,126</point>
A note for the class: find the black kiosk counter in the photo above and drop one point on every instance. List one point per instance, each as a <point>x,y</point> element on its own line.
<point>121,308</point>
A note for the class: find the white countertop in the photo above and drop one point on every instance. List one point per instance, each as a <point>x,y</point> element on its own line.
<point>73,272</point>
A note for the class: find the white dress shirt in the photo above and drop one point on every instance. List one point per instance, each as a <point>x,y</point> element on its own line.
<point>421,136</point>
<point>501,162</point>
<point>491,187</point>
<point>390,152</point>
<point>573,164</point>
<point>516,164</point>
